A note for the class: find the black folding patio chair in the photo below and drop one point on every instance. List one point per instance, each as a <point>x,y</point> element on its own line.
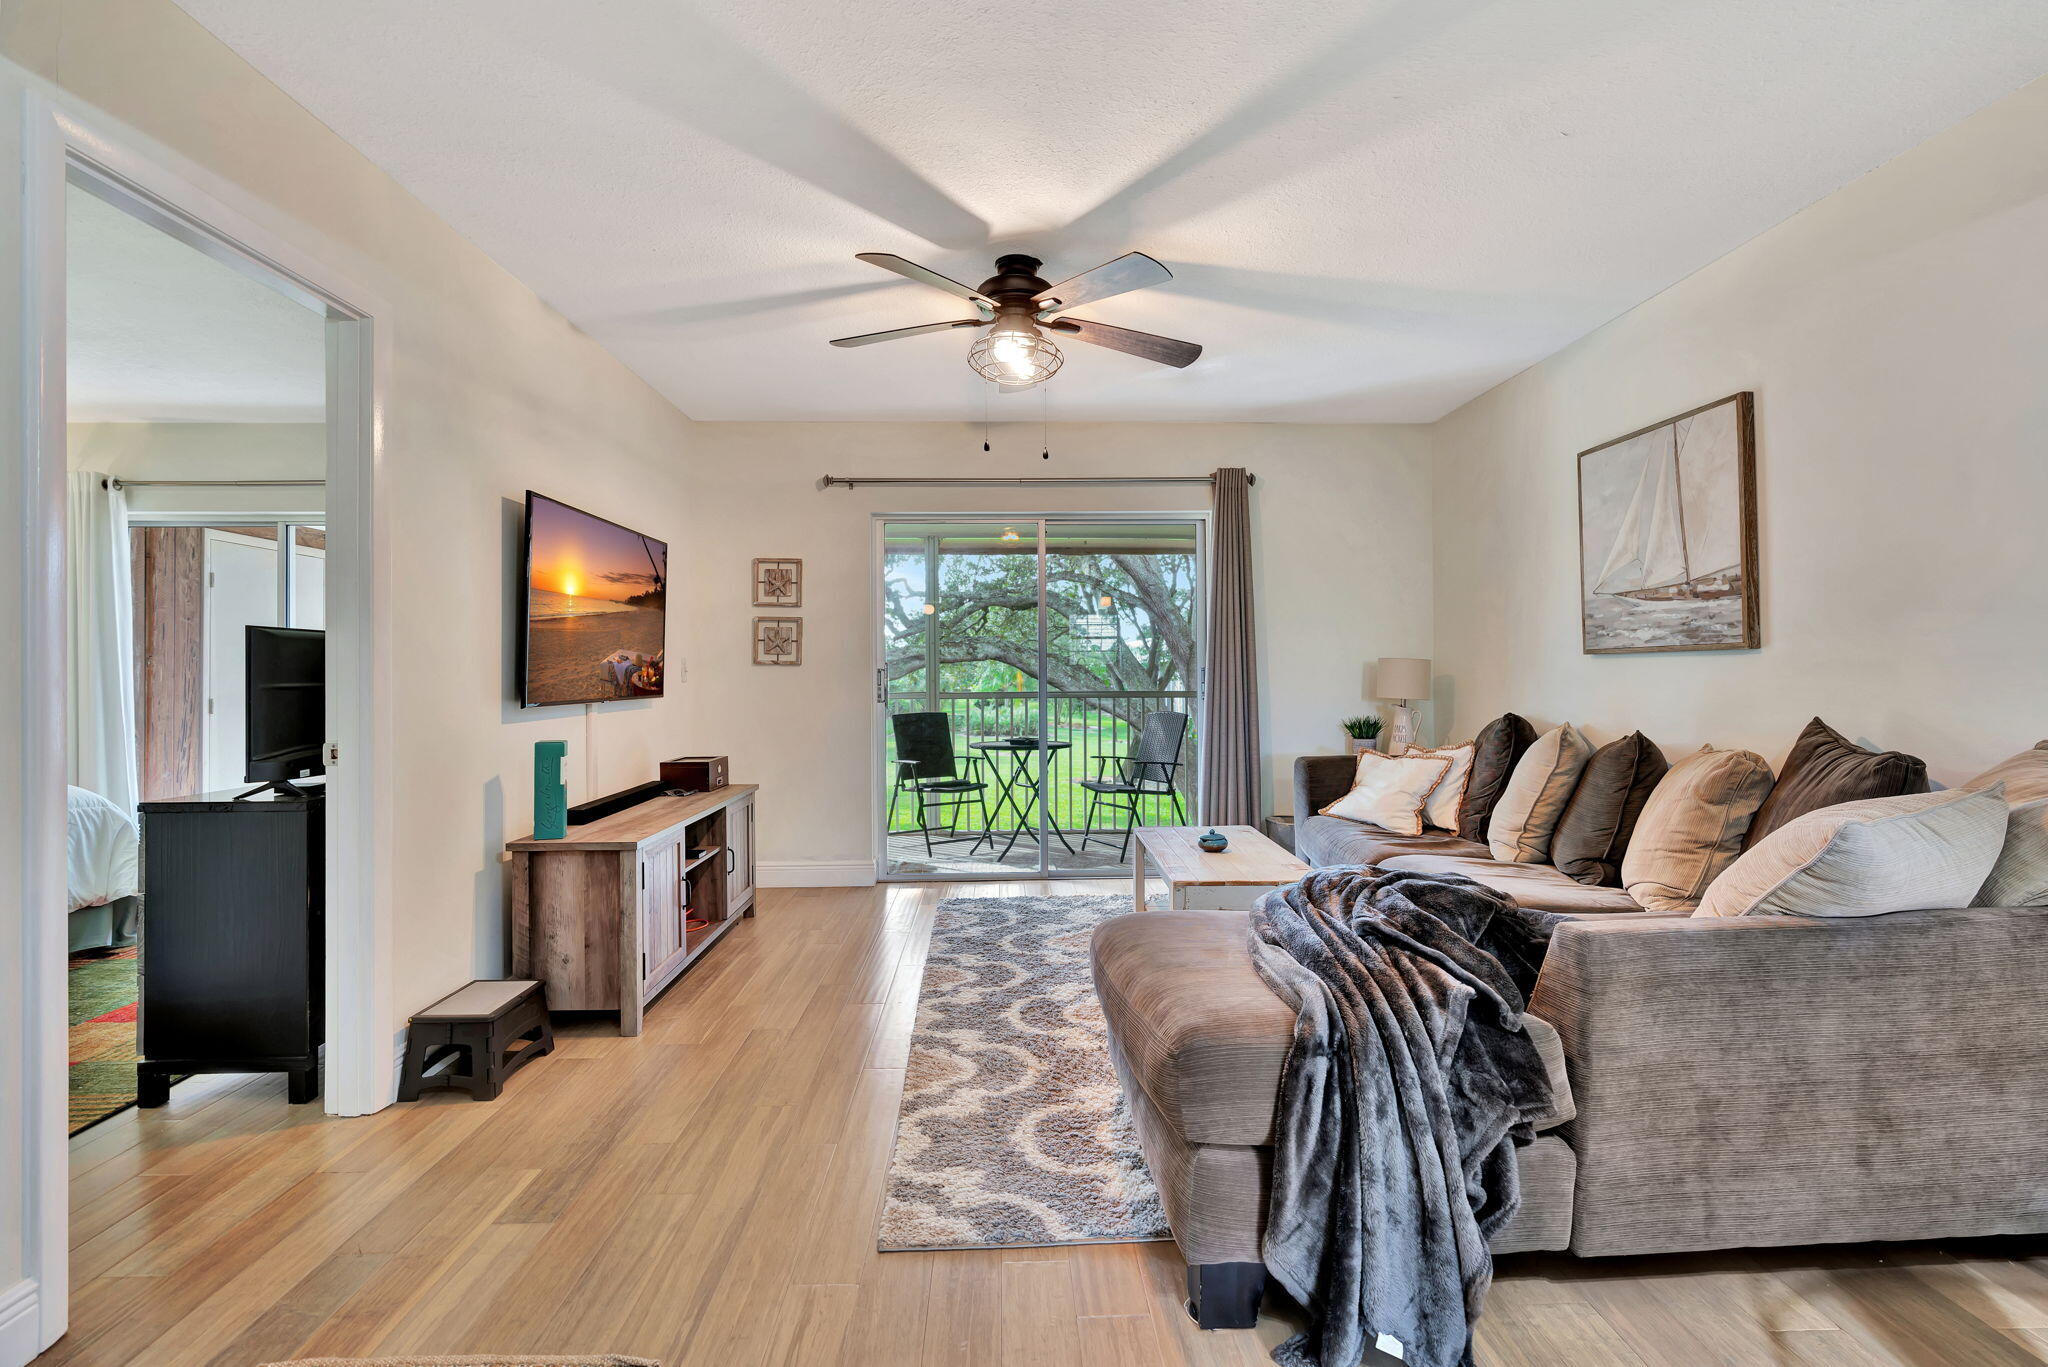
<point>940,780</point>
<point>1149,770</point>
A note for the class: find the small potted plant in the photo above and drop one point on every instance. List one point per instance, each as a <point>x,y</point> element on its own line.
<point>1363,733</point>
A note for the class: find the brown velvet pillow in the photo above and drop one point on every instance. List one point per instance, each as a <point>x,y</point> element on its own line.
<point>1593,833</point>
<point>1826,769</point>
<point>1495,752</point>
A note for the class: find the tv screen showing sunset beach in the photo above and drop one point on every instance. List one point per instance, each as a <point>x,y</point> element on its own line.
<point>596,603</point>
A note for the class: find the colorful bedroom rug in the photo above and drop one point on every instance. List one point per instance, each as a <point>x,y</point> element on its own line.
<point>103,1054</point>
<point>1013,1131</point>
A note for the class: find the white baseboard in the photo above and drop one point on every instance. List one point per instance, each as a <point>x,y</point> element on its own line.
<point>18,1324</point>
<point>816,873</point>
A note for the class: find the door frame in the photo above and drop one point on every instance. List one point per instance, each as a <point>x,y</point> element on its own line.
<point>879,743</point>
<point>61,137</point>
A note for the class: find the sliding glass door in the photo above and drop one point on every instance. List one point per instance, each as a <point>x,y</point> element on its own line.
<point>1037,691</point>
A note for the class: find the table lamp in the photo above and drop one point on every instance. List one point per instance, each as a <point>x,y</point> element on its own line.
<point>1401,681</point>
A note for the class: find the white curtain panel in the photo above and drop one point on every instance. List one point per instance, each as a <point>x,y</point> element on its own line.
<point>101,664</point>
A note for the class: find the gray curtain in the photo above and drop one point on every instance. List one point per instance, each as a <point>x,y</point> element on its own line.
<point>1230,715</point>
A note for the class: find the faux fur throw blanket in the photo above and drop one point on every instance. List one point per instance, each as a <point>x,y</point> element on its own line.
<point>1408,1085</point>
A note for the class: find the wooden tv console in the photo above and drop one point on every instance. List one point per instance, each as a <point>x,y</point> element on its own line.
<point>598,916</point>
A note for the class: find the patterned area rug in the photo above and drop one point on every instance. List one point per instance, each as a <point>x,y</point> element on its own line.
<point>103,994</point>
<point>1014,1132</point>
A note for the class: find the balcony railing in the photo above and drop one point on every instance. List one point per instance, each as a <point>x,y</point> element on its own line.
<point>1097,725</point>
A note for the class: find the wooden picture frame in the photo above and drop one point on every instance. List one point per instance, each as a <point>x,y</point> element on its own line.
<point>1668,535</point>
<point>778,640</point>
<point>778,582</point>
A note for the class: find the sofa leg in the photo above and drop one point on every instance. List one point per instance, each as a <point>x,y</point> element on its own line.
<point>1226,1295</point>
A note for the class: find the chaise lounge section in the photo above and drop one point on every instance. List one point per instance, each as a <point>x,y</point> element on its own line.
<point>1199,1042</point>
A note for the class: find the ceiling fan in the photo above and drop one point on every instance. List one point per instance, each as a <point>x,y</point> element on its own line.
<point>1019,309</point>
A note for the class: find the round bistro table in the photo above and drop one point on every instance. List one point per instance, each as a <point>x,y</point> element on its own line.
<point>1025,775</point>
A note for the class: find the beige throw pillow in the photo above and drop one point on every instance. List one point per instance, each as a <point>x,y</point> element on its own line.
<point>1867,858</point>
<point>1447,799</point>
<point>2025,775</point>
<point>1692,827</point>
<point>1537,792</point>
<point>1390,791</point>
<point>2020,877</point>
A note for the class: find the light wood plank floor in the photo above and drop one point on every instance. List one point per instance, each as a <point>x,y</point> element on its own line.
<point>707,1194</point>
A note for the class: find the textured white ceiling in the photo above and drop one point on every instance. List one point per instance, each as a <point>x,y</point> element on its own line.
<point>1373,211</point>
<point>161,332</point>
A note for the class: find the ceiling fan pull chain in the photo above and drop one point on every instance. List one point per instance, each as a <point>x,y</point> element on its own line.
<point>984,415</point>
<point>1044,446</point>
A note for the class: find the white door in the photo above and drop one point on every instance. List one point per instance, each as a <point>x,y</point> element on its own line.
<point>309,588</point>
<point>241,591</point>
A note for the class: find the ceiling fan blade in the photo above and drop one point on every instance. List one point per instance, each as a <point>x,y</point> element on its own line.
<point>1165,350</point>
<point>867,337</point>
<point>925,275</point>
<point>1131,271</point>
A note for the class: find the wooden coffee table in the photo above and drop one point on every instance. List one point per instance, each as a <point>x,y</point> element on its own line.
<point>1199,881</point>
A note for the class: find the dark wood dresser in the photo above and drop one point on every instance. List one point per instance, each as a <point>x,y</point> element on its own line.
<point>233,944</point>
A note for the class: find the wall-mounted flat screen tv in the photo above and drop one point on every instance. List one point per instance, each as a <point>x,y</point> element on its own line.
<point>596,608</point>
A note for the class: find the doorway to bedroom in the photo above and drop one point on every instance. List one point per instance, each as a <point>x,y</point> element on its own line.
<point>197,454</point>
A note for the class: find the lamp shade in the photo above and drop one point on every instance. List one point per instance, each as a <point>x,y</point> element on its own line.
<point>1402,678</point>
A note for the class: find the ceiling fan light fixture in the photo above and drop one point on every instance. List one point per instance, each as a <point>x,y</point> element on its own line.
<point>1015,357</point>
<point>1016,353</point>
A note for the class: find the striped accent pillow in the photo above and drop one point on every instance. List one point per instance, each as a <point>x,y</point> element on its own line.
<point>1883,854</point>
<point>2020,877</point>
<point>1692,827</point>
<point>1528,811</point>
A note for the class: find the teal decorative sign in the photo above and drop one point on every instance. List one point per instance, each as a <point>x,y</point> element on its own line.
<point>550,790</point>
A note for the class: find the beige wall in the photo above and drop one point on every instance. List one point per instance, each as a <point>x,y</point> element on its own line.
<point>1341,531</point>
<point>1896,335</point>
<point>490,392</point>
<point>206,450</point>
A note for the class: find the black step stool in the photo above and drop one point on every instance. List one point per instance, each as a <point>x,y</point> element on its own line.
<point>476,1037</point>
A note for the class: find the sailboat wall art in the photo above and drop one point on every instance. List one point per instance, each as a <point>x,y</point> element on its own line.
<point>1667,535</point>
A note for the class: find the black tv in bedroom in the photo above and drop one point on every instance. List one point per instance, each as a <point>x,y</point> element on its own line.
<point>596,608</point>
<point>284,711</point>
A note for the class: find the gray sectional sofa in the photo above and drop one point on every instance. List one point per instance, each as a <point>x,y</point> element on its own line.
<point>1751,1081</point>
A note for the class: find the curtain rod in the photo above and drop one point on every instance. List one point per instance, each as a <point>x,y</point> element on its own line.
<point>1040,481</point>
<point>116,482</point>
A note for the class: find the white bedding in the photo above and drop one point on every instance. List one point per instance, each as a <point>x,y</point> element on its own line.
<point>101,853</point>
